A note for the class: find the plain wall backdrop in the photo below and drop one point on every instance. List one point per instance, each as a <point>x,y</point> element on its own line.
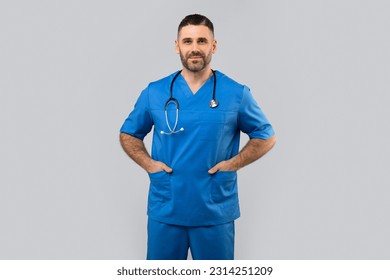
<point>70,72</point>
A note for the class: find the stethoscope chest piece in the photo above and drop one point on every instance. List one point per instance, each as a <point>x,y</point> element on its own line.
<point>213,103</point>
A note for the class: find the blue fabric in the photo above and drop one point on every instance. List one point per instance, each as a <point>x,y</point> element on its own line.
<point>189,196</point>
<point>171,242</point>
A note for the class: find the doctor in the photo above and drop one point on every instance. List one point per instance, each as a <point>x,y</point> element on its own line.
<point>198,115</point>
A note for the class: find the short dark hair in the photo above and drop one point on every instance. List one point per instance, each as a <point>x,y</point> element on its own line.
<point>196,19</point>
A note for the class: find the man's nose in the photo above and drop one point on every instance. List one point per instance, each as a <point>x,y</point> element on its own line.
<point>195,47</point>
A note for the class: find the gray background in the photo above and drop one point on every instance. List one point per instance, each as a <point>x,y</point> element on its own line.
<point>70,72</point>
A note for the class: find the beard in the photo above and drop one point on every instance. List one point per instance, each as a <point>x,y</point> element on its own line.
<point>195,65</point>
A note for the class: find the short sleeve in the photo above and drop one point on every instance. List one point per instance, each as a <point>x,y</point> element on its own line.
<point>251,119</point>
<point>139,122</point>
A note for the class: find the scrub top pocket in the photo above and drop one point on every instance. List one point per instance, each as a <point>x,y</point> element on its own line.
<point>160,186</point>
<point>211,125</point>
<point>224,189</point>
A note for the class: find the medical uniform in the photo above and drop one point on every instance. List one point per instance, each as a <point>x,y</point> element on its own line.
<point>190,196</point>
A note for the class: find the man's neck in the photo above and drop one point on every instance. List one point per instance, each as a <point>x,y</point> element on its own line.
<point>195,80</point>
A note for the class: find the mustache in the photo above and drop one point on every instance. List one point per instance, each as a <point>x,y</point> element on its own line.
<point>199,54</point>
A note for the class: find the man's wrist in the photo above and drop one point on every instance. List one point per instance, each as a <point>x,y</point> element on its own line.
<point>233,163</point>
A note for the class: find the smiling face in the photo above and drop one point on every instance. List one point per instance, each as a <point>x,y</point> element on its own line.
<point>195,45</point>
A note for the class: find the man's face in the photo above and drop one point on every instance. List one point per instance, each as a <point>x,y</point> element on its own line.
<point>196,45</point>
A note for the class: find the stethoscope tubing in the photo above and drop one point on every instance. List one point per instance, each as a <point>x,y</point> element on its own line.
<point>213,104</point>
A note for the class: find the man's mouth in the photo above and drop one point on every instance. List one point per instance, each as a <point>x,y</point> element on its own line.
<point>195,56</point>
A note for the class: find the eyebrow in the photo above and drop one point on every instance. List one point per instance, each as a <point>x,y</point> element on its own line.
<point>200,38</point>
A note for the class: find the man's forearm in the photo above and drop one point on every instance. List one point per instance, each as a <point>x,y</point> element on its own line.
<point>252,151</point>
<point>136,150</point>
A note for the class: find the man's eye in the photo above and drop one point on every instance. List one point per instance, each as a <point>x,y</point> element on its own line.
<point>187,42</point>
<point>202,41</point>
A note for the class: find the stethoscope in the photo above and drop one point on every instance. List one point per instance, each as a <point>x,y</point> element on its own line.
<point>213,104</point>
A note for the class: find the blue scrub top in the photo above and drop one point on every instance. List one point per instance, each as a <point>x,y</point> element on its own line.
<point>189,196</point>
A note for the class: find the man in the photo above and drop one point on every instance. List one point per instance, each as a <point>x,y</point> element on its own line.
<point>193,198</point>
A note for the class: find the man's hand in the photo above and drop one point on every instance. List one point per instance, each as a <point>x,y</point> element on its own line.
<point>156,166</point>
<point>226,165</point>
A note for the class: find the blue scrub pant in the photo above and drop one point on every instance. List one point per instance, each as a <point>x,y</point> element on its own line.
<point>171,242</point>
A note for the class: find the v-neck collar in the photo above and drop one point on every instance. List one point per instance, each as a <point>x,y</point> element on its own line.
<point>188,90</point>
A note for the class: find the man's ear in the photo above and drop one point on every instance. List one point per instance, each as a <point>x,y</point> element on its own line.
<point>214,48</point>
<point>177,47</point>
